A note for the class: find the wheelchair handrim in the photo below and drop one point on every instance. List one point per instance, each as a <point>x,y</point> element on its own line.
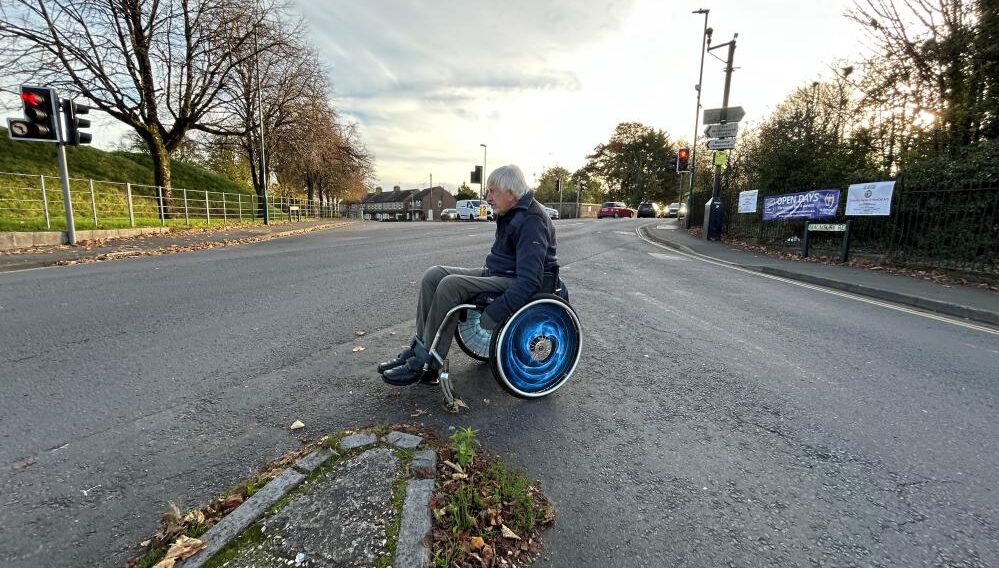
<point>524,340</point>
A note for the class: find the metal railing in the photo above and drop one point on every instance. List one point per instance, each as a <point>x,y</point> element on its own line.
<point>940,227</point>
<point>35,202</point>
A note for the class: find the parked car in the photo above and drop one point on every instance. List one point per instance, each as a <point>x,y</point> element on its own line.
<point>614,209</point>
<point>474,210</point>
<point>648,209</point>
<point>449,214</point>
<point>673,210</point>
<point>552,213</point>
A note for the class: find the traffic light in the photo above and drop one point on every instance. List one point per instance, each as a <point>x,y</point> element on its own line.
<point>476,175</point>
<point>73,124</point>
<point>682,160</point>
<point>41,116</point>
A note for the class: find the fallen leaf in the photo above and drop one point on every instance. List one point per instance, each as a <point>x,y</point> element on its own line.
<point>232,501</point>
<point>477,542</point>
<point>24,463</point>
<point>145,543</point>
<point>459,476</point>
<point>297,425</point>
<point>358,348</point>
<point>360,333</point>
<point>454,466</point>
<point>486,401</point>
<point>196,517</point>
<point>460,403</point>
<point>419,412</point>
<point>507,533</point>
<point>184,547</point>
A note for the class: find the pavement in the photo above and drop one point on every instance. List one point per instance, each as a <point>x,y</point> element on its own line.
<point>179,240</point>
<point>970,303</point>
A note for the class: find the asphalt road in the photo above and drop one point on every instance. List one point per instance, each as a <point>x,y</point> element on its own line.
<point>717,418</point>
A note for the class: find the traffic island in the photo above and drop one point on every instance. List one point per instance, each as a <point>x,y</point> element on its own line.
<point>393,496</point>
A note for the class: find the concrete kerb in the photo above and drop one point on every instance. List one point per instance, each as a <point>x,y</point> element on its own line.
<point>955,310</point>
<point>415,520</point>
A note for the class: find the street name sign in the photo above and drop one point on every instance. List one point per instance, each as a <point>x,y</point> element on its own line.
<point>726,130</point>
<point>721,144</point>
<point>714,115</point>
<point>827,227</point>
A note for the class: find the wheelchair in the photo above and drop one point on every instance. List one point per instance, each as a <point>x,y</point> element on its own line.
<point>531,354</point>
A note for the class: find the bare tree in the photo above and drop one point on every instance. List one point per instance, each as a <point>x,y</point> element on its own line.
<point>159,66</point>
<point>276,85</point>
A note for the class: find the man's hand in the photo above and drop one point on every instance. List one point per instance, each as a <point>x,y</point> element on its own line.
<point>486,322</point>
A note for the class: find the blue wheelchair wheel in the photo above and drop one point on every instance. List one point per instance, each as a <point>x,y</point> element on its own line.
<point>472,339</point>
<point>536,350</point>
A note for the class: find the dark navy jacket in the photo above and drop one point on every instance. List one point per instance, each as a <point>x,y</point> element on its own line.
<point>524,250</point>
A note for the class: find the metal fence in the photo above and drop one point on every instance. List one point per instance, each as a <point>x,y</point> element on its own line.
<point>35,202</point>
<point>950,228</point>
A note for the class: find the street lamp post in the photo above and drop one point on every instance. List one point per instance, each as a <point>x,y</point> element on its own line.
<point>697,116</point>
<point>432,195</point>
<point>482,182</point>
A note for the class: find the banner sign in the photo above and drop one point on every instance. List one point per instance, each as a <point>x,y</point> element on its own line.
<point>748,200</point>
<point>870,198</point>
<point>818,204</point>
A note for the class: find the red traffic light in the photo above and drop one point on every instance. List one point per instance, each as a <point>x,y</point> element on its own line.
<point>32,98</point>
<point>683,153</point>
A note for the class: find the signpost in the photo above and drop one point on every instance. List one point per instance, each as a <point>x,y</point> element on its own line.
<point>844,248</point>
<point>721,144</point>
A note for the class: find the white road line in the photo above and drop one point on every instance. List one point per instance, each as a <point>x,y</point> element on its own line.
<point>662,256</point>
<point>847,295</point>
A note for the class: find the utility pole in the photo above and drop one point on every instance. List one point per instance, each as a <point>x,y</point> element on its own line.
<point>705,39</point>
<point>713,211</point>
<point>431,193</point>
<point>482,182</point>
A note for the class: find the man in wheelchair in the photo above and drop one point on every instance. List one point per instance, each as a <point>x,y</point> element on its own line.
<point>522,262</point>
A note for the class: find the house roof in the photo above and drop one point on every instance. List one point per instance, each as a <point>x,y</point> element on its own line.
<point>390,196</point>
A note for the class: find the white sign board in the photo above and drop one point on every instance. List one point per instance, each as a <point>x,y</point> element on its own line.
<point>721,144</point>
<point>870,198</point>
<point>726,130</point>
<point>714,115</point>
<point>747,201</point>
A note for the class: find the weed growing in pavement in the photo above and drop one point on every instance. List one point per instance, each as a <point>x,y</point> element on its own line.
<point>463,444</point>
<point>485,514</point>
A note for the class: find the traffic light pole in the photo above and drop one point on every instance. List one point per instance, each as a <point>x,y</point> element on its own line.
<point>67,203</point>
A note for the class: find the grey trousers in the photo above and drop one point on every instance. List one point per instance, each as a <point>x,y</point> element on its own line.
<point>444,287</point>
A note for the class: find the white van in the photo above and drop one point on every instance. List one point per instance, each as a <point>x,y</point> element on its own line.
<point>474,210</point>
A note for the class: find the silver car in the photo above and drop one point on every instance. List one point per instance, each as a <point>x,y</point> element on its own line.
<point>552,213</point>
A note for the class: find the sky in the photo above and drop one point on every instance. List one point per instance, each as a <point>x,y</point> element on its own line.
<point>541,83</point>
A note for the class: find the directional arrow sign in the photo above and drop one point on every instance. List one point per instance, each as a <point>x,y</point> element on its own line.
<point>721,144</point>
<point>726,130</point>
<point>714,115</point>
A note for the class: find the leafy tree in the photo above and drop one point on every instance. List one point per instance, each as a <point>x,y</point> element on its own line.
<point>547,190</point>
<point>636,164</point>
<point>465,192</point>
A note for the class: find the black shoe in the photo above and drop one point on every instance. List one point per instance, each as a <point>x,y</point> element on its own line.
<point>402,376</point>
<point>397,362</point>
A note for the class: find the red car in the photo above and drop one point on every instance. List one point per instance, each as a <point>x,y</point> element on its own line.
<point>614,209</point>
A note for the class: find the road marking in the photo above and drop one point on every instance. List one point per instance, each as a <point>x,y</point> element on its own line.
<point>662,256</point>
<point>623,233</point>
<point>815,287</point>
